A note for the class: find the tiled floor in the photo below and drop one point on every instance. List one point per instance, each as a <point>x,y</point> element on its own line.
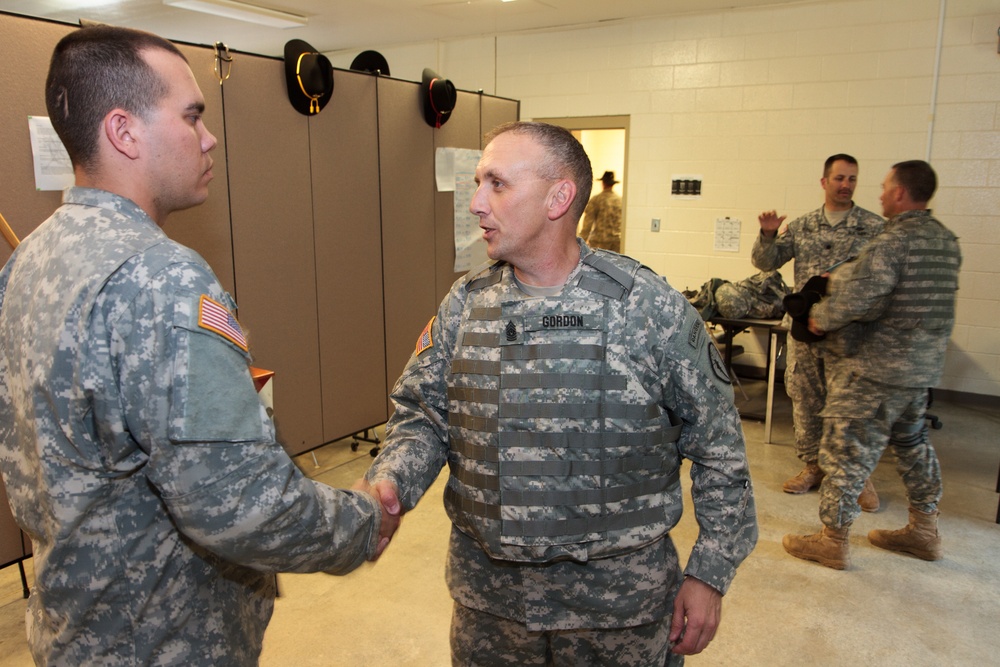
<point>887,610</point>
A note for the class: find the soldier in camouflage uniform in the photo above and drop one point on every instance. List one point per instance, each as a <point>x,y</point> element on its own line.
<point>563,386</point>
<point>816,241</point>
<point>902,287</point>
<point>135,451</point>
<point>602,219</point>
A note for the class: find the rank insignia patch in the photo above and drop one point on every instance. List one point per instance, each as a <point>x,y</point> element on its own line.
<point>425,342</point>
<point>213,316</point>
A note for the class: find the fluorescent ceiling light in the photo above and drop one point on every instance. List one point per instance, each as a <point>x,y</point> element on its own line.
<point>242,12</point>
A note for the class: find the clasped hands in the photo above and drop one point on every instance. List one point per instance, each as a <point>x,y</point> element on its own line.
<point>385,493</point>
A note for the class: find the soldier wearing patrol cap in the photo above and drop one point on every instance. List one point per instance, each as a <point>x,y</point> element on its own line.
<point>563,386</point>
<point>135,451</point>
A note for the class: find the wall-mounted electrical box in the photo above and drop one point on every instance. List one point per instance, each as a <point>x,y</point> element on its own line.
<point>685,186</point>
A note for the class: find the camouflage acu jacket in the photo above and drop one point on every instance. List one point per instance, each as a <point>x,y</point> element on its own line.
<point>815,244</point>
<point>902,289</point>
<point>666,340</point>
<point>138,457</point>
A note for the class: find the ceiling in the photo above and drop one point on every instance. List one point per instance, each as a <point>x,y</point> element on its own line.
<point>336,25</point>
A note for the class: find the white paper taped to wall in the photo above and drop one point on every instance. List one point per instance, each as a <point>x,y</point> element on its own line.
<point>53,170</point>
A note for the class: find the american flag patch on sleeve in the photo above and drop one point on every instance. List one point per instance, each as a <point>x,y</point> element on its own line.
<point>425,342</point>
<point>213,316</point>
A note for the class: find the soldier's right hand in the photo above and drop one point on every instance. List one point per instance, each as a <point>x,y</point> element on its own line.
<point>387,496</point>
<point>770,221</point>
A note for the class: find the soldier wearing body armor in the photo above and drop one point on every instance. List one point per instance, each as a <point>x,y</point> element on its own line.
<point>902,290</point>
<point>833,233</point>
<point>563,386</point>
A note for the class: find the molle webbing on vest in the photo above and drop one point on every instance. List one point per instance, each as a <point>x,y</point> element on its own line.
<point>568,526</point>
<point>926,289</point>
<point>557,448</point>
<point>564,440</point>
<point>629,464</point>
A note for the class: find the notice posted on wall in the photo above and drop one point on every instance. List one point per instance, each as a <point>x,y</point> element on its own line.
<point>53,170</point>
<point>727,234</point>
<point>455,171</point>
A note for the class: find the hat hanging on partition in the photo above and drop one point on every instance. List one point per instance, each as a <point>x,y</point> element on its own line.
<point>438,97</point>
<point>309,76</point>
<point>371,61</point>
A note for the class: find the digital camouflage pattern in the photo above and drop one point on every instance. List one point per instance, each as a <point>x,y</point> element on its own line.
<point>662,347</point>
<point>902,288</point>
<point>486,640</point>
<point>815,245</point>
<point>138,457</point>
<point>602,221</point>
<point>759,297</point>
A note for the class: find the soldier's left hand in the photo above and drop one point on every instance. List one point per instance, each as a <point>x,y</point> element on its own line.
<point>697,612</point>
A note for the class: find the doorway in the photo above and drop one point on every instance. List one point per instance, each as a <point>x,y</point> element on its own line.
<point>605,138</point>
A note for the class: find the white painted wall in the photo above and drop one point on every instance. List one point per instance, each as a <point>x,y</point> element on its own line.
<point>755,100</point>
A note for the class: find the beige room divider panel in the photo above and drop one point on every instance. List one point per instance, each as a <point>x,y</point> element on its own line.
<point>406,165</point>
<point>25,49</point>
<point>348,233</point>
<point>206,228</point>
<point>270,188</point>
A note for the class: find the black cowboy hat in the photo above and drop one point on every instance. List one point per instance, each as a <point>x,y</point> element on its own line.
<point>798,304</point>
<point>608,178</point>
<point>370,61</point>
<point>309,76</point>
<point>438,97</point>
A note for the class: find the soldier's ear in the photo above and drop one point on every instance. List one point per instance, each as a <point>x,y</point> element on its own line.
<point>561,196</point>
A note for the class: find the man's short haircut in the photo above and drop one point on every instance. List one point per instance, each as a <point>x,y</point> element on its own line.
<point>566,157</point>
<point>833,158</point>
<point>917,178</point>
<point>93,71</point>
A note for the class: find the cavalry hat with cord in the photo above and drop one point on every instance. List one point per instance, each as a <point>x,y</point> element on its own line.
<point>438,97</point>
<point>309,76</point>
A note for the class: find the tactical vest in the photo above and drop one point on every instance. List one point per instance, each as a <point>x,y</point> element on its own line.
<point>925,294</point>
<point>557,451</point>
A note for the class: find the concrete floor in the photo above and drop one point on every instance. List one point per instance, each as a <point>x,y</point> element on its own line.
<point>887,610</point>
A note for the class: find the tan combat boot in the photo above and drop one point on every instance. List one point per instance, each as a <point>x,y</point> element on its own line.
<point>868,500</point>
<point>920,537</point>
<point>828,547</point>
<point>805,481</point>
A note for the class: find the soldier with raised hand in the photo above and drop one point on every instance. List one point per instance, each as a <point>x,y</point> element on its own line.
<point>902,287</point>
<point>135,451</point>
<point>834,232</point>
<point>563,387</point>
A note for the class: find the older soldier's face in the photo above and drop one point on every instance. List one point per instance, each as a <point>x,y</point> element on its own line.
<point>839,185</point>
<point>511,198</point>
<point>890,195</point>
<point>179,166</point>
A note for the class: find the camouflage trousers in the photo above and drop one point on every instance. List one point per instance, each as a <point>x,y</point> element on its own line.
<point>479,639</point>
<point>861,419</point>
<point>805,383</point>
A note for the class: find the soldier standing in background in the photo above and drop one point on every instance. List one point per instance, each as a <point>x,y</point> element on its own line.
<point>902,287</point>
<point>135,451</point>
<point>834,232</point>
<point>563,386</point>
<point>602,219</point>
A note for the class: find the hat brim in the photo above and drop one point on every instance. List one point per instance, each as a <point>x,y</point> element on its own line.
<point>307,70</point>
<point>438,98</point>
